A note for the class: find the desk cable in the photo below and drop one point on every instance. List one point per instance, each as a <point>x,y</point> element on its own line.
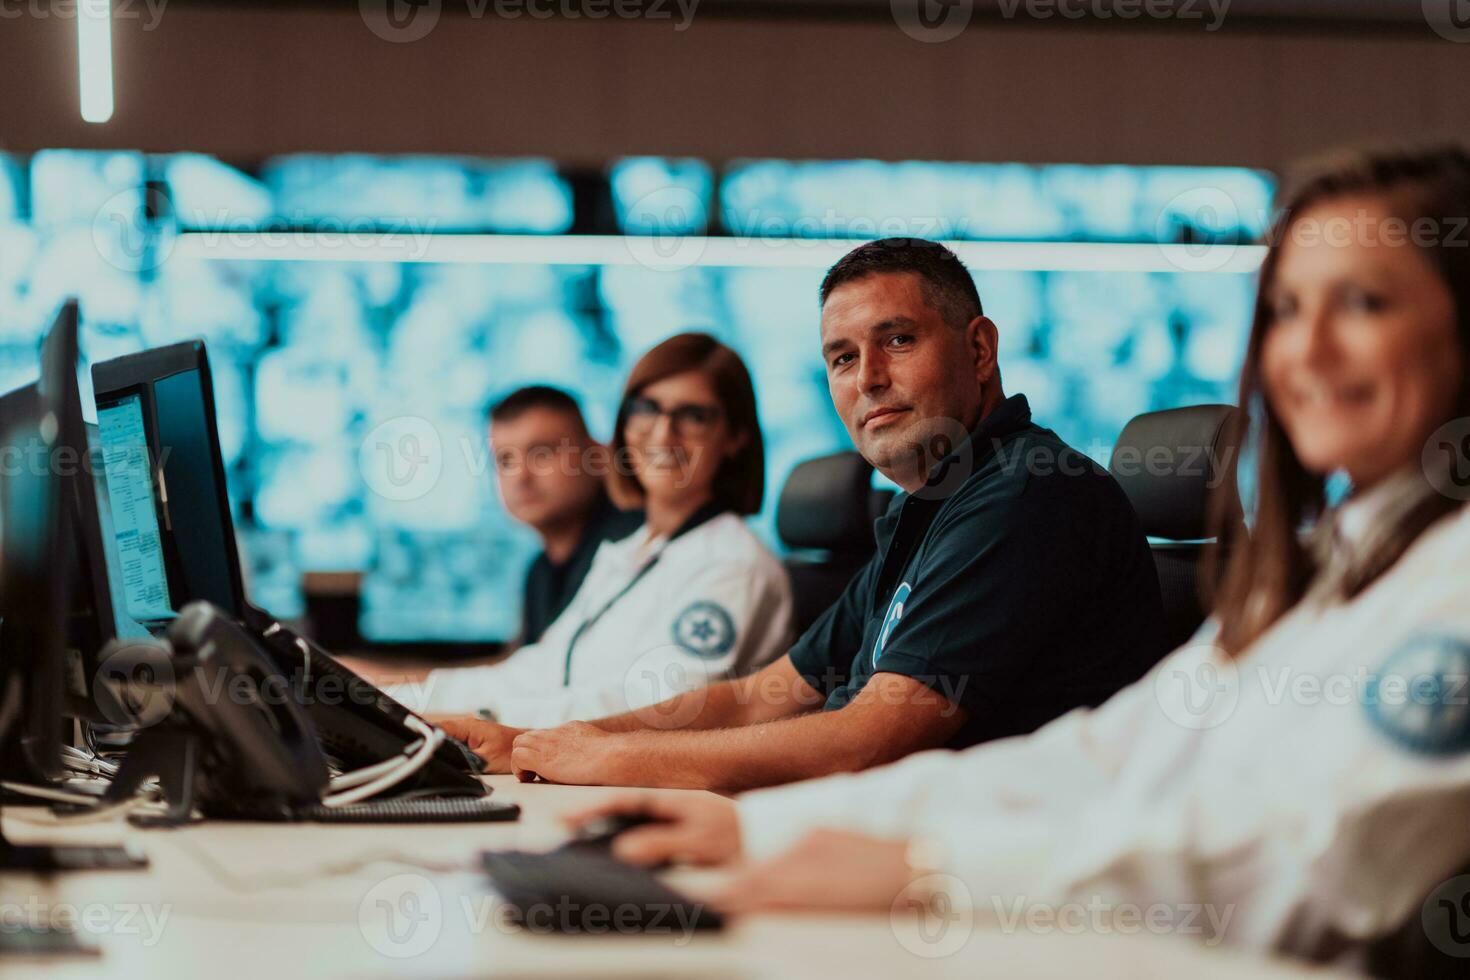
<point>360,784</point>
<point>93,813</point>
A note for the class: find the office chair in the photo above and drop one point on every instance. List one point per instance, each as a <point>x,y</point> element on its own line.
<point>1170,464</point>
<point>826,512</point>
<point>1410,953</point>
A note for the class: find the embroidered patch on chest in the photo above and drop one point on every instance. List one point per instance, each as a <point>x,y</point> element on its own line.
<point>1420,697</point>
<point>705,629</point>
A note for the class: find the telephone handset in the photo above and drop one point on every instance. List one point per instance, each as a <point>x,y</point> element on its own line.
<point>253,719</point>
<point>357,724</point>
<point>260,733</point>
<point>234,742</point>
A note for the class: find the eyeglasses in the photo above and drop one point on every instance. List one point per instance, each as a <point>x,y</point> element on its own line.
<point>642,414</point>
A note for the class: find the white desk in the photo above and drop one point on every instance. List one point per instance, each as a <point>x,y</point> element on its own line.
<point>270,910</point>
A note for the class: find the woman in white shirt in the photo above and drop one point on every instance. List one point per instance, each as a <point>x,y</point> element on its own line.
<point>1298,777</point>
<point>690,598</point>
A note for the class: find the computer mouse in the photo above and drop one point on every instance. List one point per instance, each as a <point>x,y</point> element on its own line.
<point>600,832</point>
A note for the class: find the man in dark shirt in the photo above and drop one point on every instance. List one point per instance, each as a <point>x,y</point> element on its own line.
<point>1012,582</point>
<point>543,467</point>
<point>1025,590</point>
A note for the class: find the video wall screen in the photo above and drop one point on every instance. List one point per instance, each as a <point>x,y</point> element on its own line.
<point>361,312</point>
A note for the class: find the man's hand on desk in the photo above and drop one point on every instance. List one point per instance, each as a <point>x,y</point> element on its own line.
<point>487,739</point>
<point>576,752</point>
<point>572,753</point>
<point>693,828</point>
<point>827,870</point>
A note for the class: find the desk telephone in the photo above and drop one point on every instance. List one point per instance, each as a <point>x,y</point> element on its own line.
<point>256,718</point>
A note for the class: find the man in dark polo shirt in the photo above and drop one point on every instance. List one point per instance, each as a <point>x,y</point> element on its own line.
<point>543,455</point>
<point>1016,582</point>
<point>1012,582</point>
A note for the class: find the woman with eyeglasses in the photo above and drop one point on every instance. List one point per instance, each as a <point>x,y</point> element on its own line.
<point>689,598</point>
<point>1295,779</point>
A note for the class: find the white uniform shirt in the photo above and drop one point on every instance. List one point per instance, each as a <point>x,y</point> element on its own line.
<point>1311,791</point>
<point>650,620</point>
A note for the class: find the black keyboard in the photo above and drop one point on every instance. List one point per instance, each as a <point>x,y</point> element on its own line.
<point>454,809</point>
<point>50,858</point>
<point>585,890</point>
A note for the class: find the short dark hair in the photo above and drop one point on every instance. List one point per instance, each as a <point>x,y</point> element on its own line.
<point>534,396</point>
<point>947,284</point>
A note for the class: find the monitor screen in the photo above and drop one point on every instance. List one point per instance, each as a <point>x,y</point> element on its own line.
<point>59,613</point>
<point>156,408</point>
<point>139,546</point>
<point>198,504</point>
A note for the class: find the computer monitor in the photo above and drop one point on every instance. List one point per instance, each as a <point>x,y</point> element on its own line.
<point>164,471</point>
<point>54,599</point>
<point>167,395</point>
<point>55,607</point>
<point>33,591</point>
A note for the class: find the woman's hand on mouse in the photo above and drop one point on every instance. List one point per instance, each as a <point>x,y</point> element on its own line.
<point>690,828</point>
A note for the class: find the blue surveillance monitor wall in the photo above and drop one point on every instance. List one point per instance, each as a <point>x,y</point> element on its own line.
<point>352,362</point>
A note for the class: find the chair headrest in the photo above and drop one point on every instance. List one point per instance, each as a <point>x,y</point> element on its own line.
<point>1171,463</point>
<point>825,504</point>
<point>878,501</point>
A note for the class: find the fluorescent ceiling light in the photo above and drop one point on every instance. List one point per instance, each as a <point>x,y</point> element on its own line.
<point>94,58</point>
<point>673,252</point>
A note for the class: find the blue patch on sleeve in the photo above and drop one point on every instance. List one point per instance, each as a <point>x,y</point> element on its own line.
<point>891,618</point>
<point>705,629</point>
<point>1420,698</point>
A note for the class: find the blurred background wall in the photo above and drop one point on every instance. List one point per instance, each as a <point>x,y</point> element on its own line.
<point>1273,80</point>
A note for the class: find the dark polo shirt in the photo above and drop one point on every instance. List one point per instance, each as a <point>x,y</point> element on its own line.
<point>549,587</point>
<point>1016,583</point>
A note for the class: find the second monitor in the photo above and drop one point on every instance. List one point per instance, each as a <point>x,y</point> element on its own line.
<point>165,474</point>
<point>175,544</point>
